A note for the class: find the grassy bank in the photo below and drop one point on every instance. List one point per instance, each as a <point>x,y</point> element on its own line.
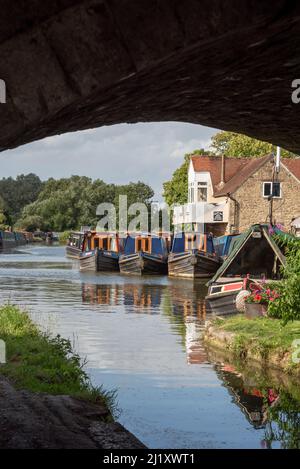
<point>262,339</point>
<point>38,362</point>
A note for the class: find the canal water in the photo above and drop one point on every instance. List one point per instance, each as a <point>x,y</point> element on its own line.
<point>142,338</point>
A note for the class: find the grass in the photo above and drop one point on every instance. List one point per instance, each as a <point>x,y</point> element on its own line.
<point>40,363</point>
<point>263,336</point>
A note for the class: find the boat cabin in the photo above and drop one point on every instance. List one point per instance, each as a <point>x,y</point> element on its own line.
<point>185,242</point>
<point>146,243</point>
<point>253,253</point>
<point>105,241</point>
<point>76,239</point>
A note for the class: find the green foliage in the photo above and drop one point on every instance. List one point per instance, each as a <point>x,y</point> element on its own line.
<point>287,305</point>
<point>67,204</point>
<point>16,193</point>
<point>261,335</point>
<point>238,145</point>
<point>40,363</point>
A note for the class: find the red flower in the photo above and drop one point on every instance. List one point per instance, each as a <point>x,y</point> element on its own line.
<point>257,298</point>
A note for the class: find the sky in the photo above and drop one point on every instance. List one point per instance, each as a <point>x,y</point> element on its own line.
<point>116,154</point>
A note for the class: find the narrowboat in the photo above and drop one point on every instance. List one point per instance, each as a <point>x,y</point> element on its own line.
<point>255,257</point>
<point>101,251</point>
<point>75,244</point>
<point>145,254</point>
<point>7,240</point>
<point>193,256</point>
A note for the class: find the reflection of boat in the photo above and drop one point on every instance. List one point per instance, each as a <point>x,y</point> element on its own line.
<point>145,254</point>
<point>254,256</point>
<point>193,256</point>
<point>136,298</point>
<point>249,398</point>
<point>101,251</point>
<point>75,244</point>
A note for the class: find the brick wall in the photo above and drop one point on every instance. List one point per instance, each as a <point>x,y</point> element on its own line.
<point>252,207</point>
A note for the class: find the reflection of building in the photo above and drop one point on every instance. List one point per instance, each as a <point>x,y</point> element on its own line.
<point>195,351</point>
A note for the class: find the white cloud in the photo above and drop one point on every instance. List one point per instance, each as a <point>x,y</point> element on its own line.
<point>118,154</point>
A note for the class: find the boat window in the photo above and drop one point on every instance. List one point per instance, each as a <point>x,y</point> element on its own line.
<point>202,192</point>
<point>190,242</point>
<point>146,245</point>
<point>105,244</point>
<point>138,244</point>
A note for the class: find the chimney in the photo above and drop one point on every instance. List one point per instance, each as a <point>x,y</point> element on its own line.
<point>222,181</point>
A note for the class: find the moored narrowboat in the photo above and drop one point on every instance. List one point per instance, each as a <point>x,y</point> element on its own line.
<point>101,251</point>
<point>75,244</point>
<point>193,256</point>
<point>255,257</point>
<point>145,254</point>
<point>7,240</point>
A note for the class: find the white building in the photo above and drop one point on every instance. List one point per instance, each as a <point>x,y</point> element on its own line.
<point>204,212</point>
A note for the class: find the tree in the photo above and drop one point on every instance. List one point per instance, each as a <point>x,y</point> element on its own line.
<point>17,193</point>
<point>176,190</point>
<point>238,145</point>
<point>69,203</point>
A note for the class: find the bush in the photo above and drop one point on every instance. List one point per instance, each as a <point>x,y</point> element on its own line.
<point>287,305</point>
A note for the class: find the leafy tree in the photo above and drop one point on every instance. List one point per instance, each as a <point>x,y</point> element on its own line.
<point>17,193</point>
<point>69,203</point>
<point>237,145</point>
<point>287,305</point>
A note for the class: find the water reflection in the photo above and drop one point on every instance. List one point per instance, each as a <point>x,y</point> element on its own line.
<point>143,336</point>
<point>268,399</point>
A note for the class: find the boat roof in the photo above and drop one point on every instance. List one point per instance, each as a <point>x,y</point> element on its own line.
<point>241,241</point>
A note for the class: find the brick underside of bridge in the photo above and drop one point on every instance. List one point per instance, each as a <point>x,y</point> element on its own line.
<point>72,65</point>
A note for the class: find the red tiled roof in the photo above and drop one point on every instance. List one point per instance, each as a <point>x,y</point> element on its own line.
<point>237,170</point>
<point>212,165</point>
<point>242,175</point>
<point>293,165</point>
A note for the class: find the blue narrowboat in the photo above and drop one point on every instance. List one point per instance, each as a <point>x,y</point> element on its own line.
<point>145,254</point>
<point>193,256</point>
<point>101,251</point>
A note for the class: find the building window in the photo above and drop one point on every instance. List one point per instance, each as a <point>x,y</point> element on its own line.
<point>272,189</point>
<point>202,191</point>
<point>191,193</point>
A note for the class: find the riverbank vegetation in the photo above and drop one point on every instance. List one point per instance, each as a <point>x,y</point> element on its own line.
<point>37,362</point>
<point>263,339</point>
<point>287,305</point>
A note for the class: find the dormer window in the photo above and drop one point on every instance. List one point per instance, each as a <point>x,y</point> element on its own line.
<point>202,192</point>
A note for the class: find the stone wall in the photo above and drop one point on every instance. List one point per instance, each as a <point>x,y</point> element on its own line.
<point>254,208</point>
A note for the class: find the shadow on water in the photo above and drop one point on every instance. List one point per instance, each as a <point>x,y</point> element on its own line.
<point>143,336</point>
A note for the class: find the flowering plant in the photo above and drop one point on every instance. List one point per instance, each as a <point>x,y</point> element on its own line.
<point>262,296</point>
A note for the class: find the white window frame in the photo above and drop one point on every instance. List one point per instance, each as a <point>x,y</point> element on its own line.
<point>276,196</point>
<point>203,185</point>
